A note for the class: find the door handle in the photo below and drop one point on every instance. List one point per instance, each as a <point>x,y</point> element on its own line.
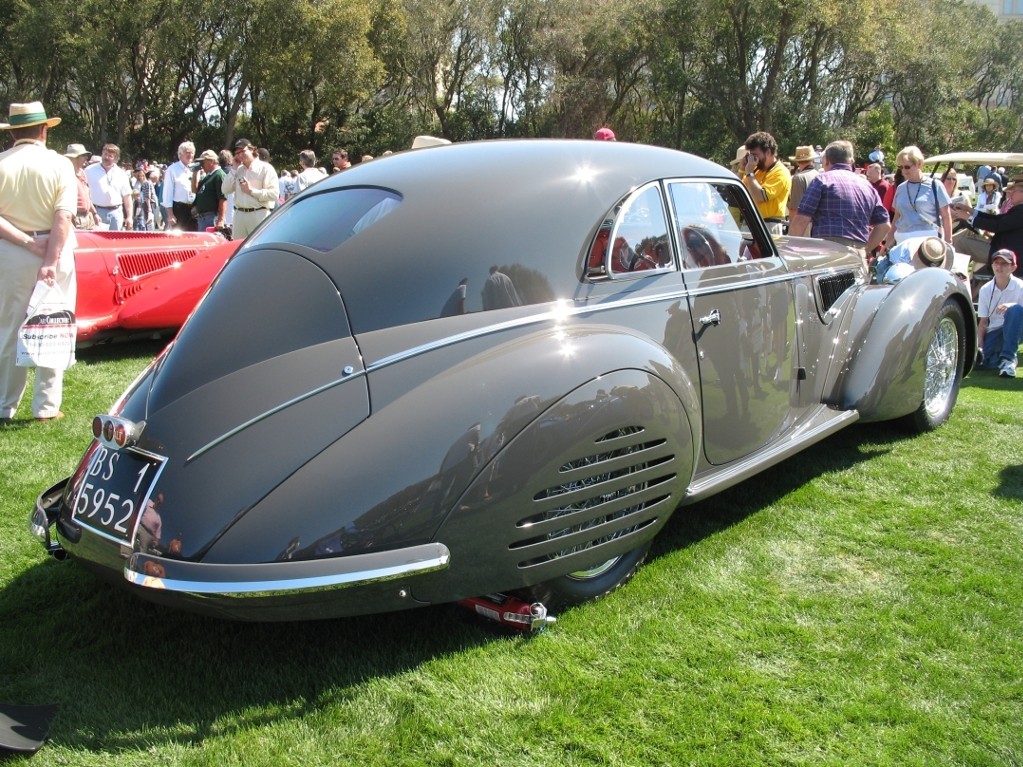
<point>714,318</point>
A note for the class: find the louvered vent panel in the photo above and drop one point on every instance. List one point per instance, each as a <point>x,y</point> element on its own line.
<point>135,265</point>
<point>830,288</point>
<point>130,290</point>
<point>624,478</point>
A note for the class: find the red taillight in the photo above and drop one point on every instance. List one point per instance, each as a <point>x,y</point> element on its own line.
<point>115,432</point>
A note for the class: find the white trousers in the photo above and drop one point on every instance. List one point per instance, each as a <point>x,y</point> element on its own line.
<point>19,269</point>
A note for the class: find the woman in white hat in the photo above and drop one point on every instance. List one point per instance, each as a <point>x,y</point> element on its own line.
<point>990,196</point>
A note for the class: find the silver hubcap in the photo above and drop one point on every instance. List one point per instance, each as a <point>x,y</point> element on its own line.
<point>942,361</point>
<point>593,572</point>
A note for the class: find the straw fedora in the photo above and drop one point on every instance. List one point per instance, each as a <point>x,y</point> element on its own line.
<point>1016,182</point>
<point>75,151</point>
<point>804,154</point>
<point>27,115</point>
<point>740,155</point>
<point>934,252</point>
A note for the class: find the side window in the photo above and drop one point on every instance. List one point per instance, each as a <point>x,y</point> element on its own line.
<point>713,225</point>
<point>633,238</point>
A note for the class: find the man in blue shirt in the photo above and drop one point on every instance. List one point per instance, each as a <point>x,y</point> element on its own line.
<point>841,205</point>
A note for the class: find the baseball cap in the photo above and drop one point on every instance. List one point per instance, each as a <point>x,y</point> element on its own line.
<point>1006,255</point>
<point>604,134</point>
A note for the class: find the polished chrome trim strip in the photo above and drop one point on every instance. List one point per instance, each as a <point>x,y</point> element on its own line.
<point>564,310</point>
<point>266,414</point>
<point>282,578</point>
<point>794,443</point>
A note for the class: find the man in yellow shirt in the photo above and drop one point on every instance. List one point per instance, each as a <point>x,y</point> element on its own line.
<point>767,180</point>
<point>38,201</point>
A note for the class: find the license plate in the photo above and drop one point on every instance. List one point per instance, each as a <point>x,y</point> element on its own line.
<point>115,490</point>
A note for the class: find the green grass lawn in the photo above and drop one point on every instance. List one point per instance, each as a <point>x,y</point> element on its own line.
<point>860,604</point>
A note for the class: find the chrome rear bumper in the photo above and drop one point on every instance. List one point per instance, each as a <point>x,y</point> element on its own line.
<point>281,578</point>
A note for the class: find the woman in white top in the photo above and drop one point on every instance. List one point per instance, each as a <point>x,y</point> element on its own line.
<point>990,196</point>
<point>921,205</point>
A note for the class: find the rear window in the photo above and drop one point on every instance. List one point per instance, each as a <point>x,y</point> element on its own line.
<point>325,220</point>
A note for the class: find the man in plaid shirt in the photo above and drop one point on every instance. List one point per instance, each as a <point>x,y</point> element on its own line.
<point>841,205</point>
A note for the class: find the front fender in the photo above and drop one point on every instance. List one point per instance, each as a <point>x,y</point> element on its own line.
<point>888,336</point>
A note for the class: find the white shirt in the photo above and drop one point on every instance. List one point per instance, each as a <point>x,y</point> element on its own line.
<point>108,187</point>
<point>177,185</point>
<point>991,297</point>
<point>308,177</point>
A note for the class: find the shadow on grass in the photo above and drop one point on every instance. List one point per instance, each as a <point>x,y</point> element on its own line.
<point>989,379</point>
<point>129,675</point>
<point>839,452</point>
<point>118,349</point>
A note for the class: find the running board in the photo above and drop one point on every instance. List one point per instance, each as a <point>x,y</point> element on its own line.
<point>826,422</point>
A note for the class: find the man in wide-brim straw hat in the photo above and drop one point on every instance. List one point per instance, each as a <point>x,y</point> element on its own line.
<point>805,159</point>
<point>38,200</point>
<point>86,216</point>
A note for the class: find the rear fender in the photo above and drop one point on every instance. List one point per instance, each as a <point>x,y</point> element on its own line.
<point>888,335</point>
<point>593,477</point>
<point>456,404</point>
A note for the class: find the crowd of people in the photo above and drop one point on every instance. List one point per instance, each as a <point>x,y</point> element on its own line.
<point>192,193</point>
<point>897,221</point>
<point>45,196</point>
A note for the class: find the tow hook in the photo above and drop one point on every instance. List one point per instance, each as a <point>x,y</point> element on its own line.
<point>528,617</point>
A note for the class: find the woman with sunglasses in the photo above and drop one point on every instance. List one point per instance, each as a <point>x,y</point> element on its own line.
<point>921,205</point>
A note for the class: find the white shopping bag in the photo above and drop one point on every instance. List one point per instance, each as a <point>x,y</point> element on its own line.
<point>47,337</point>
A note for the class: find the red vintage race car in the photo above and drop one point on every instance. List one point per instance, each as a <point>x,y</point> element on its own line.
<point>132,283</point>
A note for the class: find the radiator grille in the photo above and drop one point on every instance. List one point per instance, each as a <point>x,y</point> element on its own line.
<point>624,479</point>
<point>135,265</point>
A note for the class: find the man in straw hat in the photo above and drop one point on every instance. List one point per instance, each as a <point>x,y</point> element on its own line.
<point>38,200</point>
<point>805,159</point>
<point>86,216</point>
<point>1007,228</point>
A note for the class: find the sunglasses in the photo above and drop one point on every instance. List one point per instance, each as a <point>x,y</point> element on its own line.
<point>907,167</point>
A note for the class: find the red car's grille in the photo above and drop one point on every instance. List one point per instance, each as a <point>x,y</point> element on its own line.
<point>135,265</point>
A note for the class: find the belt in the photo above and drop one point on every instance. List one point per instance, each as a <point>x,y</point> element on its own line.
<point>38,234</point>
<point>775,220</point>
<point>249,210</point>
<point>108,207</point>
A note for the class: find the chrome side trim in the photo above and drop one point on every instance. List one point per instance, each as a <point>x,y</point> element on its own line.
<point>276,409</point>
<point>826,422</point>
<point>563,310</point>
<point>282,578</point>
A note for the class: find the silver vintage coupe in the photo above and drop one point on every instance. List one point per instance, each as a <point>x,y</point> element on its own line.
<point>483,368</point>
